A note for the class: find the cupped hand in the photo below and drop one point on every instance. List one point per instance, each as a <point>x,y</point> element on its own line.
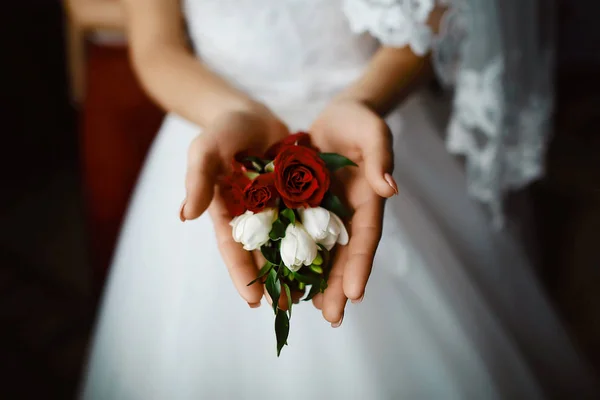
<point>210,155</point>
<point>352,129</point>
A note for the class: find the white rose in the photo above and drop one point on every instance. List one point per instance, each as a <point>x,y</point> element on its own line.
<point>252,230</point>
<point>324,227</point>
<point>297,247</point>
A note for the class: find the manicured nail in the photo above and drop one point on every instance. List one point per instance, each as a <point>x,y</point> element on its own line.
<point>339,323</point>
<point>254,305</point>
<point>390,180</point>
<point>357,301</point>
<point>181,208</point>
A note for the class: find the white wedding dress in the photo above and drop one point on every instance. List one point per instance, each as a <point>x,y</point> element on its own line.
<point>451,310</point>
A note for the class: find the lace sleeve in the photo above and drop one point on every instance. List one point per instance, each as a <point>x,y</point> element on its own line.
<point>497,56</point>
<point>396,23</point>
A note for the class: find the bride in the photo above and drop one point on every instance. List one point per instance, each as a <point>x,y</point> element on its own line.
<point>451,309</point>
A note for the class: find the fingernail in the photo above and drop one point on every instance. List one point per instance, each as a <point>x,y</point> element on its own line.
<point>390,180</point>
<point>357,301</point>
<point>181,208</point>
<point>254,305</point>
<point>339,323</point>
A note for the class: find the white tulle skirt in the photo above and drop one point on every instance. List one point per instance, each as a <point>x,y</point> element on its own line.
<point>451,311</point>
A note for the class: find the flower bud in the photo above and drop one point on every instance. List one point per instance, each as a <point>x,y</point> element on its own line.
<point>252,230</point>
<point>316,268</point>
<point>323,226</point>
<point>297,247</point>
<point>318,260</point>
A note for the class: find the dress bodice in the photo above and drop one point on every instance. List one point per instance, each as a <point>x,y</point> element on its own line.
<point>300,48</point>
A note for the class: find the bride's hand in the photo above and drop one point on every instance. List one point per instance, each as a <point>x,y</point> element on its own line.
<point>210,155</point>
<point>350,128</point>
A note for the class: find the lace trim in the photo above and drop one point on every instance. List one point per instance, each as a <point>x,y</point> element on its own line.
<point>394,22</point>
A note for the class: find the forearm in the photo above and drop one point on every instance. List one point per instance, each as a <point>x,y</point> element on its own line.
<point>97,14</point>
<point>391,76</point>
<point>170,73</point>
<point>180,83</point>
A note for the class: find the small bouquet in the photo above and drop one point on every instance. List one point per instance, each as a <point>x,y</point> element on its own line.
<point>282,204</point>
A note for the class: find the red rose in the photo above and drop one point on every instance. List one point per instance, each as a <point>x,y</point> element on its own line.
<point>297,139</point>
<point>232,191</point>
<point>260,193</point>
<point>301,177</point>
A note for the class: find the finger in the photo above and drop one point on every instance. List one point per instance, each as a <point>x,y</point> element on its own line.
<point>239,262</point>
<point>318,301</point>
<point>378,162</point>
<point>202,169</point>
<point>334,299</point>
<point>365,233</point>
<point>259,259</point>
<point>283,300</point>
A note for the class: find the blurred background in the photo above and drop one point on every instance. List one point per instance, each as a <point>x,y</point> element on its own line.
<point>76,127</point>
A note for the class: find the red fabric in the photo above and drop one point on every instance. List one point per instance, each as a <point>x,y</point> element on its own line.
<point>119,123</point>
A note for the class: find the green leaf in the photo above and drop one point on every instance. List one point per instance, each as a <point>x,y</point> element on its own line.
<point>273,286</point>
<point>306,279</point>
<point>271,254</point>
<point>335,205</point>
<point>281,270</point>
<point>282,329</point>
<point>263,271</point>
<point>277,230</point>
<point>289,214</point>
<point>336,161</point>
<point>288,294</point>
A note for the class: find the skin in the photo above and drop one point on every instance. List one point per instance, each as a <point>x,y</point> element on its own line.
<point>97,14</point>
<point>232,121</point>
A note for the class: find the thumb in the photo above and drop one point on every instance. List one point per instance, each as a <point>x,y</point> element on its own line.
<point>378,164</point>
<point>202,169</point>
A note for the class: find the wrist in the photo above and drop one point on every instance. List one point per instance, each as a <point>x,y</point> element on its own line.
<point>392,75</point>
<point>356,99</point>
<point>242,106</point>
<point>250,116</point>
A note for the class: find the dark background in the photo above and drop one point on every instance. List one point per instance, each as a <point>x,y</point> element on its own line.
<point>46,305</point>
<point>55,159</point>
